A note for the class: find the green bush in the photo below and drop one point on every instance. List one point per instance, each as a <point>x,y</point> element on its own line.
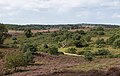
<point>100,41</point>
<point>18,59</point>
<point>103,52</point>
<point>71,50</point>
<point>28,47</point>
<point>112,39</point>
<point>28,33</point>
<point>116,43</point>
<point>53,51</point>
<point>88,55</point>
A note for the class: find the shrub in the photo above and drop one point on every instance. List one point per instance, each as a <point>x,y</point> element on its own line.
<point>88,55</point>
<point>71,50</point>
<point>28,33</point>
<point>88,38</point>
<point>38,33</point>
<point>28,47</point>
<point>53,51</point>
<point>112,39</point>
<point>116,43</point>
<point>101,33</point>
<point>81,43</point>
<point>76,36</point>
<point>103,52</point>
<point>81,32</point>
<point>99,29</point>
<point>17,59</point>
<point>100,41</point>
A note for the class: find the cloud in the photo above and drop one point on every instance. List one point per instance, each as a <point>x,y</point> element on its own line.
<point>116,15</point>
<point>78,8</point>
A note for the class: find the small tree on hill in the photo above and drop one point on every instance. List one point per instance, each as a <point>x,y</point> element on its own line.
<point>116,43</point>
<point>15,60</point>
<point>88,55</point>
<point>28,33</point>
<point>3,32</point>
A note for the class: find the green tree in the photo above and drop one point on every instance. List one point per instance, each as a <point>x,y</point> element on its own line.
<point>88,55</point>
<point>17,59</point>
<point>28,33</point>
<point>53,51</point>
<point>28,47</point>
<point>116,43</point>
<point>3,33</point>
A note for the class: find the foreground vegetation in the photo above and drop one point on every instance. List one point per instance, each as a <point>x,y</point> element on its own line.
<point>91,44</point>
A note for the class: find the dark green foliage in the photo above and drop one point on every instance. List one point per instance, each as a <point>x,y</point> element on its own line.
<point>99,29</point>
<point>112,39</point>
<point>103,52</point>
<point>78,44</point>
<point>28,33</point>
<point>45,46</point>
<point>28,57</point>
<point>53,51</point>
<point>116,43</point>
<point>81,32</point>
<point>88,55</point>
<point>100,41</point>
<point>14,38</point>
<point>88,38</point>
<point>81,43</point>
<point>3,33</point>
<point>71,50</point>
<point>18,59</point>
<point>28,47</point>
<point>101,33</point>
<point>38,33</point>
<point>114,56</point>
<point>76,36</point>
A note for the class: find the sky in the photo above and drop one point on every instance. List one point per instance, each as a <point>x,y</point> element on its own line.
<point>59,11</point>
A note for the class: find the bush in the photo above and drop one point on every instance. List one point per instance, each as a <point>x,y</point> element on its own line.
<point>100,41</point>
<point>116,43</point>
<point>18,59</point>
<point>103,52</point>
<point>88,55</point>
<point>88,38</point>
<point>28,47</point>
<point>28,33</point>
<point>81,43</point>
<point>38,33</point>
<point>71,50</point>
<point>112,39</point>
<point>99,29</point>
<point>53,51</point>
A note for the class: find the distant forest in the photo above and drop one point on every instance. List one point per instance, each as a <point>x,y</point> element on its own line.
<point>59,26</point>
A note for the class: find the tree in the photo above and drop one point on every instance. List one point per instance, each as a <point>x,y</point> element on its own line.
<point>3,33</point>
<point>88,55</point>
<point>17,59</point>
<point>116,43</point>
<point>103,52</point>
<point>53,51</point>
<point>100,41</point>
<point>112,39</point>
<point>28,33</point>
<point>99,29</point>
<point>28,47</point>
